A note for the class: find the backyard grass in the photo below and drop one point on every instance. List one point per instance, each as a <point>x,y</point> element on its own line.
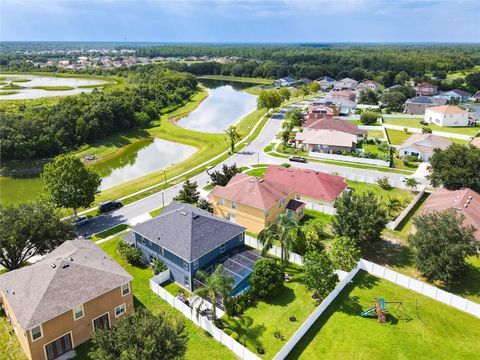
<point>415,123</point>
<point>257,326</point>
<point>359,123</point>
<point>54,88</point>
<point>237,78</point>
<point>200,344</point>
<point>422,329</point>
<point>403,195</point>
<point>397,137</point>
<point>375,134</point>
<point>398,164</point>
<point>9,346</point>
<point>173,288</point>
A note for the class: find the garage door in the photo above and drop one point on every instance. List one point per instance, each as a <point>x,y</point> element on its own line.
<point>58,347</point>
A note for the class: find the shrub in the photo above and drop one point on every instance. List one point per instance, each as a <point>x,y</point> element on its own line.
<point>130,254</point>
<point>267,278</point>
<point>237,305</point>
<point>286,165</point>
<point>368,117</point>
<point>235,336</point>
<point>426,130</point>
<point>157,266</point>
<point>384,183</point>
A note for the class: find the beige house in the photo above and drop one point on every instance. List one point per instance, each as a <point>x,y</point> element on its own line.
<point>422,146</point>
<point>326,141</point>
<point>56,303</point>
<point>254,203</point>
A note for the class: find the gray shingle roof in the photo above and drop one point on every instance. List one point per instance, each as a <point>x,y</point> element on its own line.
<point>187,231</point>
<point>41,291</point>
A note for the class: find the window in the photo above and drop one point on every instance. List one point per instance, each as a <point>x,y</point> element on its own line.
<point>78,312</point>
<point>120,310</point>
<point>36,332</point>
<point>195,264</point>
<point>222,248</point>
<point>234,205</point>
<point>185,265</point>
<point>125,289</point>
<point>222,201</point>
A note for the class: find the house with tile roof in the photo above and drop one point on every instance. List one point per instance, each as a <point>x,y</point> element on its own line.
<point>426,89</point>
<point>417,105</point>
<point>310,186</point>
<point>326,141</point>
<point>447,115</point>
<point>315,112</point>
<point>253,202</point>
<point>345,94</point>
<point>54,304</point>
<point>422,146</point>
<point>465,201</point>
<point>335,124</point>
<point>186,239</point>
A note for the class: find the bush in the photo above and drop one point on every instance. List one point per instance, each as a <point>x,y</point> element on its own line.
<point>237,305</point>
<point>286,165</point>
<point>267,278</point>
<point>426,130</point>
<point>368,117</point>
<point>235,336</point>
<point>130,254</point>
<point>157,266</point>
<point>384,183</point>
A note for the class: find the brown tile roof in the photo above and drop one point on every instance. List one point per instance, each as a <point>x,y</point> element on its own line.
<point>306,182</point>
<point>425,143</point>
<point>74,273</point>
<point>326,137</point>
<point>447,109</point>
<point>335,124</point>
<point>466,201</point>
<point>252,191</point>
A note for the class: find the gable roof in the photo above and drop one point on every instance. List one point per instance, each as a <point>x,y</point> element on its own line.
<point>335,124</point>
<point>458,92</point>
<point>74,273</point>
<point>466,201</point>
<point>252,191</point>
<point>426,100</point>
<point>187,231</point>
<point>425,84</point>
<point>306,182</point>
<point>326,79</point>
<point>447,109</point>
<point>425,143</point>
<point>326,137</point>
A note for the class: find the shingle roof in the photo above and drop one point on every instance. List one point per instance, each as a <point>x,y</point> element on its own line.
<point>427,100</point>
<point>465,201</point>
<point>447,109</point>
<point>188,231</point>
<point>326,137</point>
<point>41,291</point>
<point>335,124</point>
<point>307,182</point>
<point>252,191</point>
<point>430,142</point>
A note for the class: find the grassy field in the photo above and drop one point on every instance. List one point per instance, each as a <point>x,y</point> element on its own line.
<point>112,231</point>
<point>237,78</point>
<point>8,92</point>
<point>397,137</point>
<point>10,348</point>
<point>375,134</point>
<point>257,325</point>
<point>422,329</point>
<point>401,194</point>
<point>54,88</point>
<point>415,123</point>
<point>12,87</point>
<point>260,172</point>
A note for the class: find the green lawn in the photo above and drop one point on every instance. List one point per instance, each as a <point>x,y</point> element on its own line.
<point>257,325</point>
<point>397,137</point>
<point>155,212</point>
<point>401,194</point>
<point>200,345</point>
<point>9,346</point>
<point>415,122</point>
<point>398,164</point>
<point>422,329</point>
<point>375,134</point>
<point>173,288</point>
<point>260,172</point>
<point>238,78</point>
<point>109,232</point>
<point>54,88</point>
<point>359,123</point>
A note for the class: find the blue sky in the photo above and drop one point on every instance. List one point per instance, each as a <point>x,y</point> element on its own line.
<point>241,21</point>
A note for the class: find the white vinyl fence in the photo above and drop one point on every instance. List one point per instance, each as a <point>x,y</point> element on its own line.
<point>329,210</point>
<point>241,351</point>
<point>275,250</point>
<point>162,277</point>
<point>347,158</point>
<point>392,225</point>
<point>434,132</point>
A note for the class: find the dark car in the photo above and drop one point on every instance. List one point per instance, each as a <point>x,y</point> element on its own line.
<point>81,220</point>
<point>109,205</point>
<point>298,159</point>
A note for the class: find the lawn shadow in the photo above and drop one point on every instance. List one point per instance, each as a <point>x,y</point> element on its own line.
<point>468,284</point>
<point>390,253</point>
<point>351,306</point>
<point>247,331</point>
<point>283,298</point>
<point>365,281</point>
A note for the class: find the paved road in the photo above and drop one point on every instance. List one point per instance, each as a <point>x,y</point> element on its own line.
<point>251,154</point>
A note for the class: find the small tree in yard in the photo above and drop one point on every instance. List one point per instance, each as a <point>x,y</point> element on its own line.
<point>223,177</point>
<point>69,183</point>
<point>344,253</point>
<point>384,183</point>
<point>368,117</point>
<point>141,336</point>
<point>266,278</point>
<point>231,136</point>
<point>368,97</point>
<point>441,244</point>
<point>412,183</point>
<point>30,229</point>
<point>157,266</point>
<point>189,193</point>
<point>319,274</point>
<point>284,94</point>
<point>204,205</point>
<point>360,217</point>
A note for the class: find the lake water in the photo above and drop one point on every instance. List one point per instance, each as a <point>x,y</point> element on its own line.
<point>225,105</point>
<point>28,91</point>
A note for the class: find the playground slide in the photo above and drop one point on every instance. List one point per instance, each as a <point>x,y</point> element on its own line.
<point>369,311</point>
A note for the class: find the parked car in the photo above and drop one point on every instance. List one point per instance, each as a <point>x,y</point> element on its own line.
<point>109,206</point>
<point>81,220</point>
<point>298,159</point>
<point>423,122</point>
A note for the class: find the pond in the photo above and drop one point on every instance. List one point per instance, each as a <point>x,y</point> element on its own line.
<point>26,86</point>
<point>225,105</point>
<point>137,160</point>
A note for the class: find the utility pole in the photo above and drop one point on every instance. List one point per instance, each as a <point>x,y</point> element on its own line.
<point>165,175</point>
<point>163,200</point>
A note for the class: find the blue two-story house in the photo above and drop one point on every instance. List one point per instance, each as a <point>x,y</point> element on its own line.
<point>187,239</point>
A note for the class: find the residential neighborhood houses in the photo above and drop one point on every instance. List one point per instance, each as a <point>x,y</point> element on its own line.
<point>447,115</point>
<point>422,146</point>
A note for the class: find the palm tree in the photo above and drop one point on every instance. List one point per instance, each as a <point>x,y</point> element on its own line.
<point>393,205</point>
<point>286,231</point>
<point>412,183</point>
<point>213,284</point>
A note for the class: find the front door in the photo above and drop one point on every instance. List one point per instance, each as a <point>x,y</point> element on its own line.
<point>101,323</point>
<point>58,347</point>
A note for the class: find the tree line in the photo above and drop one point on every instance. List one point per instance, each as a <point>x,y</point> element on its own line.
<point>41,131</point>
